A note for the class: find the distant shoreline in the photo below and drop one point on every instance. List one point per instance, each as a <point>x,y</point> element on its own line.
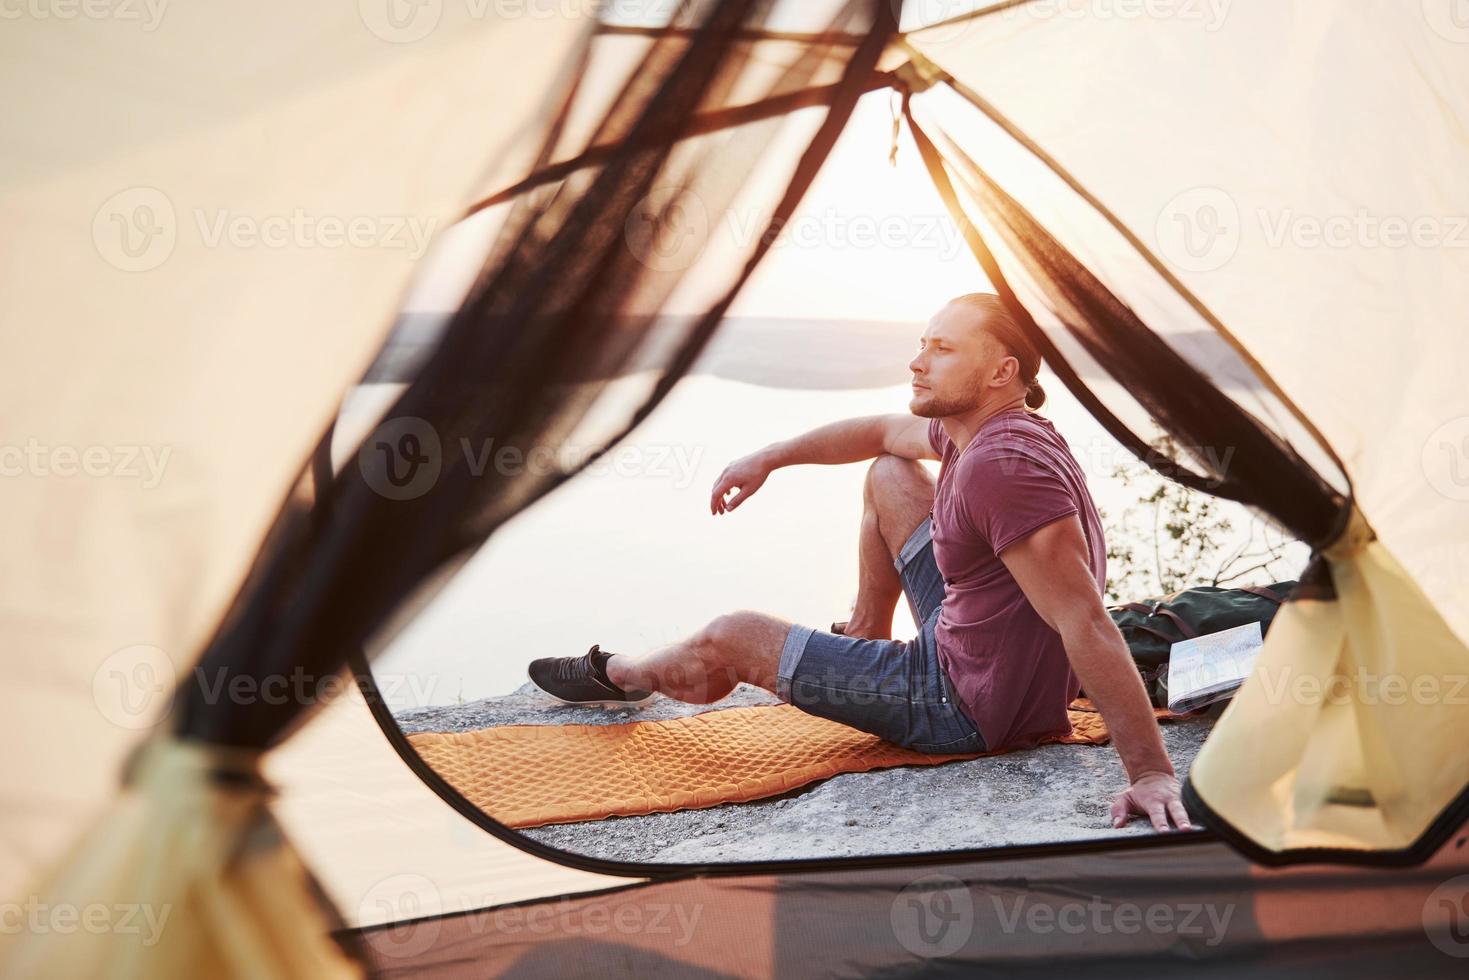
<point>811,355</point>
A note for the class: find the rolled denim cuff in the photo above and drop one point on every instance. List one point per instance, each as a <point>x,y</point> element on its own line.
<point>790,657</point>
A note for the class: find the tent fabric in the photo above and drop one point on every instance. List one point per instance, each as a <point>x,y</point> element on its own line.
<point>530,775</point>
<point>212,887</point>
<point>381,843</point>
<point>1358,764</point>
<point>1273,134</point>
<point>187,202</point>
<point>564,299</point>
<point>561,306</point>
<point>1363,797</point>
<point>202,369</point>
<point>1191,907</point>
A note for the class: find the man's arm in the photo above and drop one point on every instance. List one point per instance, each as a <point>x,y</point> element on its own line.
<point>1052,568</point>
<point>847,441</point>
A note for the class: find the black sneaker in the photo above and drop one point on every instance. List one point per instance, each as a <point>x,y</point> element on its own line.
<point>582,680</point>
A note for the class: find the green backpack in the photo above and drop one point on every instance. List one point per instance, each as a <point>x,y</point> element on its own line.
<point>1152,626</point>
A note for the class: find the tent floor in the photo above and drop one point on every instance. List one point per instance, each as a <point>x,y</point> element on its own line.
<point>1052,793</point>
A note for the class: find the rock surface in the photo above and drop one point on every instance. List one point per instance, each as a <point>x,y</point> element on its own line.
<point>1051,793</point>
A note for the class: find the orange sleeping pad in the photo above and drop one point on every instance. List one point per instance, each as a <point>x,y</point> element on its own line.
<point>529,775</point>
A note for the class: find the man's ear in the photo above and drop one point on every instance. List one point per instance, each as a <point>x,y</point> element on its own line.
<point>1007,370</point>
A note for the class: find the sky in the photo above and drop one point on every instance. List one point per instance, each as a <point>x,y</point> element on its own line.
<point>870,241</point>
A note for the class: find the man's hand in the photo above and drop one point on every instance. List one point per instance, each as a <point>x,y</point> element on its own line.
<point>745,474</point>
<point>1053,569</point>
<point>1155,796</point>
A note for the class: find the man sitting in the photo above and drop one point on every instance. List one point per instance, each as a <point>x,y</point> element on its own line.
<point>1002,561</point>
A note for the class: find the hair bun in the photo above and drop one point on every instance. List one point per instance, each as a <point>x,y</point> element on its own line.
<point>1035,395</point>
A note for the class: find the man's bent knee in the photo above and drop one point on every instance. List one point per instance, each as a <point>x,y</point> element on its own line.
<point>721,633</point>
<point>739,631</point>
<point>900,492</point>
<point>888,469</point>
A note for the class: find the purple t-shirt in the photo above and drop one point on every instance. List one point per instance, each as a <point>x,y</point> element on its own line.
<point>1008,667</point>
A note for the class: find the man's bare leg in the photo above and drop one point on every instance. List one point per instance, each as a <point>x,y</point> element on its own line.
<point>897,496</point>
<point>740,646</point>
<point>746,646</point>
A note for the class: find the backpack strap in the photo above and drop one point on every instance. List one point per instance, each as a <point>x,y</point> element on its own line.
<point>1264,593</point>
<point>1155,609</point>
<point>1158,633</point>
<point>1188,631</point>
